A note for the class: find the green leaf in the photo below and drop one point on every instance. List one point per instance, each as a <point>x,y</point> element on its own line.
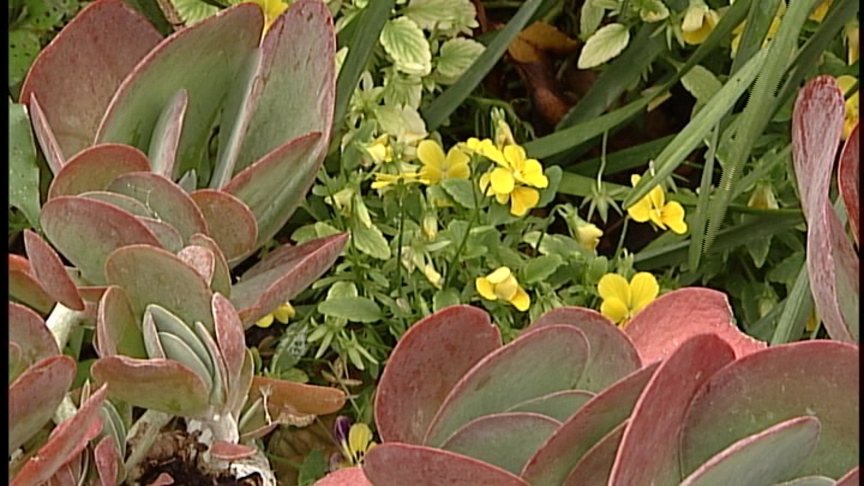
<point>314,467</point>
<point>370,241</point>
<point>446,17</point>
<point>444,298</point>
<point>701,83</point>
<point>23,49</point>
<point>455,57</point>
<point>402,89</point>
<point>354,309</point>
<point>539,268</point>
<point>589,19</point>
<point>23,170</point>
<point>461,190</point>
<point>605,44</point>
<point>194,11</point>
<point>404,41</point>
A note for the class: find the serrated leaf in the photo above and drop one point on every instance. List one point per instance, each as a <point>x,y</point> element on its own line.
<point>401,89</point>
<point>605,44</point>
<point>370,241</point>
<point>590,17</point>
<point>701,83</point>
<point>193,11</point>
<point>455,57</point>
<point>446,17</point>
<point>539,268</point>
<point>23,170</point>
<point>355,309</point>
<point>461,190</point>
<point>403,40</point>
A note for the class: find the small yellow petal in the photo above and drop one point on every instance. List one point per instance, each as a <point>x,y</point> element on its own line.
<point>284,313</point>
<point>615,310</point>
<point>459,171</point>
<point>657,197</point>
<point>485,288</point>
<point>265,321</point>
<point>430,175</point>
<point>359,436</point>
<point>643,290</point>
<point>502,181</point>
<point>499,275</point>
<point>521,300</point>
<point>613,286</point>
<point>507,289</point>
<point>634,179</point>
<point>641,211</point>
<point>522,199</point>
<point>430,153</point>
<point>673,216</point>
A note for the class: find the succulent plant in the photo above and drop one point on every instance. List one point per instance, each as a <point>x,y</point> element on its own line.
<point>679,396</point>
<point>174,160</point>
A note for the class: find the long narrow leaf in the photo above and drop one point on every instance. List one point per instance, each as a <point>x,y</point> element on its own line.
<point>796,310</point>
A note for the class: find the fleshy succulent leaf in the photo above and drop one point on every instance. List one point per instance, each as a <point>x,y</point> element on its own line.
<point>126,203</point>
<point>227,451</point>
<point>767,457</point>
<point>150,275</point>
<point>848,178</point>
<point>106,458</point>
<point>168,236</point>
<point>201,259</point>
<point>64,444</point>
<point>229,337</point>
<point>512,374</point>
<point>48,269</point>
<point>95,167</point>
<point>558,405</point>
<point>231,223</point>
<point>24,288</point>
<point>810,481</point>
<point>221,281</point>
<point>661,327</point>
<point>553,461</point>
<point>76,75</point>
<point>35,395</point>
<point>45,135</point>
<point>166,134</point>
<point>350,476</point>
<point>159,384</point>
<point>505,440</point>
<point>595,466</point>
<point>202,59</point>
<point>178,350</point>
<point>659,414</point>
<point>430,358</point>
<point>815,378</point>
<point>282,275</point>
<point>612,353</point>
<point>289,397</point>
<point>832,265</point>
<point>29,331</point>
<point>117,330</point>
<point>86,231</point>
<point>166,199</point>
<point>851,478</point>
<point>216,364</point>
<point>426,466</point>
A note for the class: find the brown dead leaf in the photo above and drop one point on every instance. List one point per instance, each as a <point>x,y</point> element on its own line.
<point>537,39</point>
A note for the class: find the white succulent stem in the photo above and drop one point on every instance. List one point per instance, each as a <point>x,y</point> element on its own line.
<point>62,320</point>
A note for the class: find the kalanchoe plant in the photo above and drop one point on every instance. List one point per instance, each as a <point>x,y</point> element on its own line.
<point>174,160</point>
<point>679,396</point>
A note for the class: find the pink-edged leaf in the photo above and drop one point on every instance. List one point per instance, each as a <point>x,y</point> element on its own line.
<point>351,476</point>
<point>661,327</point>
<point>221,281</point>
<point>45,135</point>
<point>395,464</point>
<point>151,337</point>
<point>35,395</point>
<point>202,59</point>
<point>24,288</point>
<point>218,394</point>
<point>166,134</point>
<point>426,363</point>
<point>240,389</point>
<point>296,77</point>
<point>117,329</point>
<point>810,481</point>
<point>767,457</point>
<point>125,203</point>
<point>229,337</point>
<point>848,179</point>
<point>67,475</point>
<point>612,353</point>
<point>29,331</point>
<point>76,75</point>
<point>816,378</point>
<point>166,199</point>
<point>540,361</point>
<point>595,467</point>
<point>505,440</point>
<point>150,275</point>
<point>832,264</point>
<point>558,405</point>
<point>48,268</point>
<point>289,270</point>
<point>158,384</point>
<point>87,231</point>
<point>17,365</point>
<point>274,186</point>
<point>290,397</point>
<point>200,259</point>
<point>92,293</point>
<point>66,441</point>
<point>852,478</point>
<point>228,451</point>
<point>105,457</point>
<point>230,221</point>
<point>556,458</point>
<point>95,167</point>
<point>168,236</point>
<point>659,414</point>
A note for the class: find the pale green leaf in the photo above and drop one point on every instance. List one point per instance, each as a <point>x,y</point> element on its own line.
<point>701,83</point>
<point>447,17</point>
<point>653,11</point>
<point>540,268</point>
<point>193,11</point>
<point>371,241</point>
<point>605,44</point>
<point>444,298</point>
<point>23,49</point>
<point>23,170</point>
<point>589,19</point>
<point>405,43</point>
<point>456,56</point>
<point>401,89</point>
<point>355,309</point>
<point>461,190</point>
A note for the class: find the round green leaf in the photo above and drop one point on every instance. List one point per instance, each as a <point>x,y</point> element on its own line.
<point>355,309</point>
<point>404,41</point>
<point>605,44</point>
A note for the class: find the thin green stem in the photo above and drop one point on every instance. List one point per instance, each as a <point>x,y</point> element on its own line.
<point>620,247</point>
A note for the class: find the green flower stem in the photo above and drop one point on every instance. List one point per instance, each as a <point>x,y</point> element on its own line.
<point>451,268</point>
<point>620,246</point>
<point>401,197</point>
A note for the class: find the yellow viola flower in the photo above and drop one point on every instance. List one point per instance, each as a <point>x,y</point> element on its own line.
<point>818,14</point>
<point>851,118</point>
<point>380,149</point>
<point>383,180</point>
<point>622,299</point>
<point>437,166</point>
<point>588,236</point>
<point>283,314</point>
<point>699,21</point>
<point>514,180</point>
<point>653,207</point>
<point>354,442</point>
<point>272,10</point>
<point>502,284</point>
